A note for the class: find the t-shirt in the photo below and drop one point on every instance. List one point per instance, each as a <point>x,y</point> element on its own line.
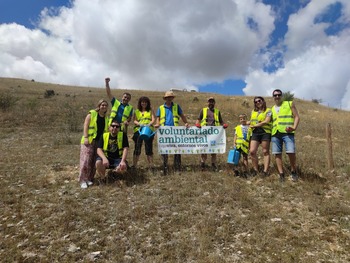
<point>169,120</point>
<point>245,129</point>
<point>118,117</point>
<point>112,148</point>
<point>100,126</point>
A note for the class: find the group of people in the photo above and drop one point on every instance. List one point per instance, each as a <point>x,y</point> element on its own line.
<point>105,145</point>
<point>277,125</point>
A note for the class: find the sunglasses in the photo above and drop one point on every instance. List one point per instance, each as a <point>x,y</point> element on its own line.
<point>257,101</point>
<point>277,95</point>
<point>115,126</point>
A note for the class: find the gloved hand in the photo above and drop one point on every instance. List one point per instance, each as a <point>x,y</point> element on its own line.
<point>198,125</point>
<point>225,125</point>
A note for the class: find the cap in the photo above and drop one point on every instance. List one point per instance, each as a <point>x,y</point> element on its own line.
<point>211,98</point>
<point>168,94</point>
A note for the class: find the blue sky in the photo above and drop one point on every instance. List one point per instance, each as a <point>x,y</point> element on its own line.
<point>233,47</point>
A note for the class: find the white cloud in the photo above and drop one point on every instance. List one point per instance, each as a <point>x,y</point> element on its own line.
<point>140,44</point>
<point>315,65</point>
<point>158,45</point>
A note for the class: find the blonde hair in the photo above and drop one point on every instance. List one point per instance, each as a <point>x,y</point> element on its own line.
<point>99,104</point>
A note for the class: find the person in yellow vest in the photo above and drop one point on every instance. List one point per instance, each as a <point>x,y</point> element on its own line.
<point>121,111</point>
<point>260,123</point>
<point>143,116</point>
<point>95,124</point>
<point>112,150</point>
<point>169,114</point>
<point>285,121</point>
<point>241,141</point>
<point>209,116</point>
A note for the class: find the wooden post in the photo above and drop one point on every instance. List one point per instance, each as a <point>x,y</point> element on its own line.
<point>330,147</point>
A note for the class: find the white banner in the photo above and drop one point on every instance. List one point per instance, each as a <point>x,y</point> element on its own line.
<point>192,140</point>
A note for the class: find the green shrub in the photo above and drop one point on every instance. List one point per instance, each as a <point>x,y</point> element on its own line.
<point>288,96</point>
<point>7,101</point>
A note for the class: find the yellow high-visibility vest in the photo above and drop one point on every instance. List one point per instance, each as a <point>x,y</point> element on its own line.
<point>175,112</point>
<point>283,119</point>
<point>119,143</point>
<point>257,117</point>
<point>92,132</point>
<point>205,117</point>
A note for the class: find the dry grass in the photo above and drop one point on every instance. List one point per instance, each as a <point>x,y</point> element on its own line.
<point>144,217</point>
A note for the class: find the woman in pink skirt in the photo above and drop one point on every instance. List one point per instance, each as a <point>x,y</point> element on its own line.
<point>96,123</point>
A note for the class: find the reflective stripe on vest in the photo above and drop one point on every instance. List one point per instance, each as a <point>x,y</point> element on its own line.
<point>174,110</point>
<point>119,141</point>
<point>92,132</point>
<point>205,117</point>
<point>257,117</point>
<point>283,119</point>
<point>114,111</point>
<point>240,142</point>
<point>143,118</point>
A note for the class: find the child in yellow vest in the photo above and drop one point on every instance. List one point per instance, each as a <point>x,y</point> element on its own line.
<point>241,142</point>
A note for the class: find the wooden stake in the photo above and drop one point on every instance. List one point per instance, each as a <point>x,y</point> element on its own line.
<point>330,147</point>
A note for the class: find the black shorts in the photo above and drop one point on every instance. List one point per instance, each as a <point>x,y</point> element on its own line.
<point>138,145</point>
<point>261,137</point>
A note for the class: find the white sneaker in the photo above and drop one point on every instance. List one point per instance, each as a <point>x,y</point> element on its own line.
<point>89,183</point>
<point>83,185</point>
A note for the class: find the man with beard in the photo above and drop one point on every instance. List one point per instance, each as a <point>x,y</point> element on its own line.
<point>210,116</point>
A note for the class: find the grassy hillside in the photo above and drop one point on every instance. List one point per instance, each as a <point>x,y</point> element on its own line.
<point>144,217</point>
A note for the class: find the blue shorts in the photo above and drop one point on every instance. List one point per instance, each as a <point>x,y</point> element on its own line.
<point>113,163</point>
<point>278,140</point>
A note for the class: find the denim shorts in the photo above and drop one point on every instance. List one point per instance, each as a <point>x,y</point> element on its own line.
<point>279,139</point>
<point>113,163</point>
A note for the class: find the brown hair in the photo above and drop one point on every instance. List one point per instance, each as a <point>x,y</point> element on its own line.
<point>263,107</point>
<point>146,99</point>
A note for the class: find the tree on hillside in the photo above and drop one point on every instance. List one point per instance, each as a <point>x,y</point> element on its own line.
<point>288,96</point>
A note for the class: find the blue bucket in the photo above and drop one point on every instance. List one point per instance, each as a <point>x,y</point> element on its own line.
<point>146,133</point>
<point>233,156</point>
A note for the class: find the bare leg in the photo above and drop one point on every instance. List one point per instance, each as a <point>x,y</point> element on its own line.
<point>101,169</point>
<point>150,161</point>
<point>292,160</point>
<point>266,151</point>
<point>253,154</point>
<point>135,160</point>
<point>278,158</point>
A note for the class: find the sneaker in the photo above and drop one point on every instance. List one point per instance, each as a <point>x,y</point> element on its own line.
<point>294,176</point>
<point>83,185</point>
<point>282,177</point>
<point>265,174</point>
<point>89,183</point>
<point>254,173</point>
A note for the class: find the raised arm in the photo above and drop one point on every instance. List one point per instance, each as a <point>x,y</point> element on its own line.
<point>108,89</point>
